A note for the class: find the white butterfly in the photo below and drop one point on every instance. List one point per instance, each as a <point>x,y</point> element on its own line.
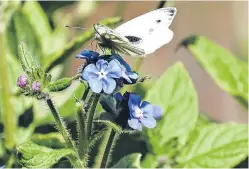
<point>139,36</point>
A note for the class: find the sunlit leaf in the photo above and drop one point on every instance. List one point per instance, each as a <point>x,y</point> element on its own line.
<point>215,146</point>
<point>34,156</point>
<point>176,95</point>
<point>230,73</point>
<point>129,161</point>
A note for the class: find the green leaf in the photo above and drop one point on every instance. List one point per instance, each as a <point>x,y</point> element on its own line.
<point>176,95</point>
<point>34,156</point>
<point>150,161</point>
<point>54,140</point>
<point>39,23</point>
<point>215,146</point>
<point>25,33</point>
<point>230,73</point>
<point>74,45</point>
<point>130,161</point>
<point>25,57</point>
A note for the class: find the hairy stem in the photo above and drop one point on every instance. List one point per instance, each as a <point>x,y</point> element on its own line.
<point>105,149</point>
<point>74,159</point>
<point>83,141</point>
<point>90,114</point>
<point>85,94</point>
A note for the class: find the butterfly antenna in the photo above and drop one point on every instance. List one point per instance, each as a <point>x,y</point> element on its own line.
<point>75,27</point>
<point>92,43</point>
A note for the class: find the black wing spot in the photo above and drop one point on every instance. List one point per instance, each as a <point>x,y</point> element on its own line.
<point>134,39</point>
<point>158,21</point>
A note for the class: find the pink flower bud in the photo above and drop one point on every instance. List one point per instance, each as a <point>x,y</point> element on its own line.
<point>36,86</point>
<point>22,81</point>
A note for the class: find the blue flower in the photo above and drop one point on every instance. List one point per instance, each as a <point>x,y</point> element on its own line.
<point>142,114</point>
<point>88,55</point>
<point>127,73</point>
<point>102,75</point>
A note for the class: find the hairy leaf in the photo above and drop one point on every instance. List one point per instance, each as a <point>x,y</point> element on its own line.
<point>230,73</point>
<point>215,146</point>
<point>54,140</point>
<point>176,95</point>
<point>129,161</point>
<point>34,156</point>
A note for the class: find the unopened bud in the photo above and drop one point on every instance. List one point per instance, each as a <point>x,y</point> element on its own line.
<point>22,81</point>
<point>36,86</point>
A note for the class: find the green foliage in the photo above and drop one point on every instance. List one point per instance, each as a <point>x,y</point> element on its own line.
<point>215,146</point>
<point>60,84</point>
<point>150,161</point>
<point>34,156</point>
<point>54,140</point>
<point>129,161</point>
<point>175,93</point>
<point>230,73</point>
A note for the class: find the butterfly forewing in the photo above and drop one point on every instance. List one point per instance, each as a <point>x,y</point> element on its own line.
<point>139,36</point>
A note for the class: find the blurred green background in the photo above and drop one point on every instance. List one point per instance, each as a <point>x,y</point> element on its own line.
<point>42,26</point>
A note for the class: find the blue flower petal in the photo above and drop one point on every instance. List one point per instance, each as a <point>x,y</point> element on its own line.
<point>135,124</point>
<point>133,103</point>
<point>134,100</point>
<point>109,85</point>
<point>133,75</point>
<point>87,54</point>
<point>146,107</point>
<point>113,70</point>
<point>101,65</point>
<point>122,61</point>
<point>125,76</point>
<point>148,122</point>
<point>90,72</point>
<point>95,85</point>
<point>157,112</point>
<point>118,96</point>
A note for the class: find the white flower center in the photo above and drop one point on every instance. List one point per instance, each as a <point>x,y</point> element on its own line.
<point>138,113</point>
<point>102,74</point>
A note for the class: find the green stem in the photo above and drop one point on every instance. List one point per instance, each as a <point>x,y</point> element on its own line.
<point>105,149</point>
<point>74,159</point>
<point>83,141</point>
<point>90,114</point>
<point>85,94</point>
<point>9,117</point>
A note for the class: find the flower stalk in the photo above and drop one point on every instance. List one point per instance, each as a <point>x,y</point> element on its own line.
<point>105,149</point>
<point>82,138</point>
<point>74,159</point>
<point>90,114</point>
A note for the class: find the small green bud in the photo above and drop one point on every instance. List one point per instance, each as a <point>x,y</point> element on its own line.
<point>60,84</point>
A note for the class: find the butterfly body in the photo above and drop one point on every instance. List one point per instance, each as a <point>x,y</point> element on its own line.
<point>139,36</point>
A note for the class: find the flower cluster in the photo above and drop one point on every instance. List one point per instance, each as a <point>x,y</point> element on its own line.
<point>24,83</point>
<point>106,74</point>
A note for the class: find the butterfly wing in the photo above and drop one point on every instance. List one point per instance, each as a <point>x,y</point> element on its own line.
<point>151,28</point>
<point>110,39</point>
